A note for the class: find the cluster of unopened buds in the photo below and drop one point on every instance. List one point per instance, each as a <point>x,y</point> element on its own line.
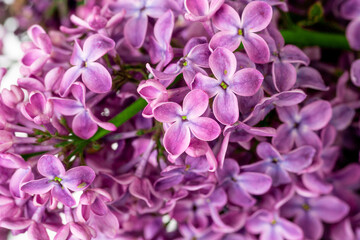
<point>172,119</point>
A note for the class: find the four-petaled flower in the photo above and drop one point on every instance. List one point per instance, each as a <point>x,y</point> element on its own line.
<point>245,82</point>
<point>59,181</point>
<point>186,120</point>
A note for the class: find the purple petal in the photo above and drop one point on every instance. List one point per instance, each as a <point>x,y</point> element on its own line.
<point>311,226</point>
<point>289,230</point>
<point>192,42</point>
<point>167,112</point>
<point>316,183</point>
<point>63,195</point>
<point>177,138</point>
<point>350,9</point>
<point>222,63</point>
<point>99,207</point>
<point>37,231</point>
<point>342,116</point>
<point>164,27</point>
<point>192,110</point>
<point>288,114</point>
<point>226,19</point>
<point>298,159</point>
<point>256,16</point>
<point>290,98</point>
<point>316,114</point>
<point>352,31</point>
<point>205,83</point>
<point>330,209</point>
<point>293,54</point>
<point>39,186</point>
<point>239,196</point>
<point>15,224</point>
<point>354,73</point>
<point>30,84</point>
<point>254,183</point>
<point>284,139</point>
<point>246,82</point>
<point>140,188</point>
<point>70,76</point>
<point>225,107</point>
<point>230,169</point>
<point>308,77</point>
<point>226,39</point>
<point>136,38</point>
<point>204,128</point>
<point>67,107</point>
<point>305,136</point>
<point>78,178</point>
<point>77,56</point>
<point>97,46</point>
<point>53,78</point>
<point>78,91</point>
<point>83,126</point>
<point>284,75</point>
<point>50,166</point>
<point>197,7</point>
<point>267,151</point>
<point>256,48</point>
<point>258,221</point>
<point>200,55</point>
<point>97,78</point>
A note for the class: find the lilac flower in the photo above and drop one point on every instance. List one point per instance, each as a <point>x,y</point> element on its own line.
<point>255,17</point>
<point>355,72</point>
<point>185,120</point>
<point>277,166</point>
<point>138,11</point>
<point>299,127</point>
<point>195,57</point>
<point>245,82</point>
<point>59,181</point>
<point>36,57</point>
<point>160,50</point>
<point>75,230</point>
<point>309,213</point>
<point>84,124</point>
<point>308,77</point>
<point>240,186</point>
<point>38,109</point>
<point>283,57</point>
<point>201,10</point>
<point>93,74</point>
<point>271,226</point>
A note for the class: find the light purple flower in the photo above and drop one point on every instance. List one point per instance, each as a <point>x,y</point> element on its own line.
<point>59,181</point>
<point>185,120</point>
<point>227,84</point>
<point>85,123</point>
<point>299,127</point>
<point>94,75</point>
<point>271,226</point>
<point>278,166</point>
<point>233,30</point>
<point>309,213</point>
<point>138,11</point>
<point>38,109</point>
<point>240,186</point>
<point>201,10</point>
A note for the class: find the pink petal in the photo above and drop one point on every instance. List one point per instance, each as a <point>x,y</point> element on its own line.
<point>330,209</point>
<point>354,73</point>
<point>284,75</point>
<point>63,195</point>
<point>205,83</point>
<point>78,178</point>
<point>97,78</point>
<point>293,54</point>
<point>70,76</point>
<point>39,186</point>
<point>97,46</point>
<point>50,166</point>
<point>83,126</point>
<point>67,107</point>
<point>77,56</point>
<point>177,138</point>
<point>167,112</point>
<point>298,159</point>
<point>316,114</point>
<point>164,27</point>
<point>256,16</point>
<point>136,38</point>
<point>225,107</point>
<point>222,63</point>
<point>204,128</point>
<point>227,39</point>
<point>226,19</point>
<point>352,31</point>
<point>284,139</point>
<point>195,103</point>
<point>105,125</point>
<point>254,183</point>
<point>197,7</point>
<point>246,82</point>
<point>256,48</point>
<point>37,231</point>
<point>200,55</point>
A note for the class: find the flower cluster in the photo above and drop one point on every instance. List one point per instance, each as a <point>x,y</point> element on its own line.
<point>182,119</point>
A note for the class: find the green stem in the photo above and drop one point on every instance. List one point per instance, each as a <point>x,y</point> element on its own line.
<point>302,37</point>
